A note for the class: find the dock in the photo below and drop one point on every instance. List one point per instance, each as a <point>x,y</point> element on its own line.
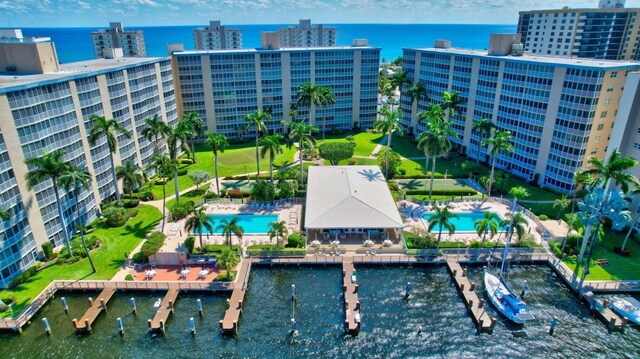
<point>601,310</point>
<point>157,324</point>
<point>475,305</point>
<point>96,307</point>
<point>229,325</point>
<point>352,321</point>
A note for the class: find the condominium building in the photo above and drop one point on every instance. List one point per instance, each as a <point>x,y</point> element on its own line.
<point>560,111</point>
<point>226,85</point>
<point>609,32</point>
<point>106,43</point>
<point>49,110</point>
<point>217,37</point>
<point>625,135</point>
<point>307,35</point>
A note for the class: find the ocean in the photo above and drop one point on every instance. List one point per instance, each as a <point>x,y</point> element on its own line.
<point>74,44</point>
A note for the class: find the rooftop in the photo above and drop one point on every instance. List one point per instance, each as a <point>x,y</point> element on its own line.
<point>349,197</point>
<point>286,49</point>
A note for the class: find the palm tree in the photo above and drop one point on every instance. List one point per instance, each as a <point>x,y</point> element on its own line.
<point>109,129</point>
<point>196,128</point>
<point>326,97</point>
<point>162,166</point>
<point>177,140</point>
<point>441,217</point>
<point>488,224</point>
<point>308,95</point>
<point>301,133</point>
<point>435,141</point>
<point>198,221</point>
<point>562,203</point>
<point>5,215</point>
<point>451,103</point>
<point>257,120</point>
<point>417,92</point>
<point>388,122</point>
<point>130,175</point>
<point>271,145</point>
<point>50,166</point>
<point>218,143</point>
<point>156,129</point>
<point>500,143</point>
<point>74,179</point>
<point>633,225</point>
<point>231,227</point>
<point>399,79</point>
<point>519,226</point>
<point>483,127</point>
<point>580,177</point>
<point>278,229</point>
<point>226,260</point>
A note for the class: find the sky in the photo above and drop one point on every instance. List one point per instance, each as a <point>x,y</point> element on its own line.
<point>92,13</point>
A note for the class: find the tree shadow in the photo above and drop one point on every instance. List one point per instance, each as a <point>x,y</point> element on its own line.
<point>372,176</point>
<point>413,184</point>
<point>235,184</point>
<point>138,230</point>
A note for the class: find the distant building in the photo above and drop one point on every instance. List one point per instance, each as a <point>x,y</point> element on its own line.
<point>106,42</point>
<point>560,111</point>
<point>625,135</point>
<point>306,35</point>
<point>223,86</point>
<point>45,106</point>
<point>609,32</point>
<point>217,37</point>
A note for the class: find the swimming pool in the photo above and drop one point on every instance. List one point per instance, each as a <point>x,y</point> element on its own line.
<point>251,223</point>
<point>463,224</point>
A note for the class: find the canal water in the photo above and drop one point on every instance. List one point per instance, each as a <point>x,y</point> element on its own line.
<point>390,323</point>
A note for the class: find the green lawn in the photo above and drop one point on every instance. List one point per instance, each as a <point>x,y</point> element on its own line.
<point>194,195</point>
<point>359,162</point>
<point>619,267</point>
<point>438,184</point>
<point>365,141</point>
<point>405,146</point>
<point>117,243</point>
<point>452,167</point>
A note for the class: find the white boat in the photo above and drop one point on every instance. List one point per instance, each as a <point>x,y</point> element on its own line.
<point>505,300</point>
<point>627,307</point>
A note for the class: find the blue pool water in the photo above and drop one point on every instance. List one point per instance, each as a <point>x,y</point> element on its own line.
<point>463,224</point>
<point>251,223</point>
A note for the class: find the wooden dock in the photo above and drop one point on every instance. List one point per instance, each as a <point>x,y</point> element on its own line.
<point>352,321</point>
<point>157,324</point>
<point>97,306</point>
<point>604,313</point>
<point>475,305</point>
<point>229,325</point>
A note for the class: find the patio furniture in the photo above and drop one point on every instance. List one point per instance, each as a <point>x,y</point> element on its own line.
<point>387,243</point>
<point>203,273</point>
<point>150,274</point>
<point>184,273</point>
<point>368,243</point>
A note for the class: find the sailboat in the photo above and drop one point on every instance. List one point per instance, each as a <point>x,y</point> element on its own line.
<point>501,295</point>
<point>627,307</point>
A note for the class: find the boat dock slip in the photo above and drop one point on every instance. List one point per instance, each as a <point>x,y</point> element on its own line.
<point>352,321</point>
<point>158,322</point>
<point>604,313</point>
<point>475,305</point>
<point>229,325</point>
<point>97,306</point>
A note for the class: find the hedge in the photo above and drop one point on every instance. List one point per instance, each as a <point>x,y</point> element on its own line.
<point>181,210</point>
<point>189,243</point>
<point>450,192</point>
<point>47,250</point>
<point>296,240</point>
<point>182,171</point>
<point>150,247</point>
<point>130,203</point>
<point>24,276</point>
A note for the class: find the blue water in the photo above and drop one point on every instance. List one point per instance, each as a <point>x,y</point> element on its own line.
<point>74,44</point>
<point>251,223</point>
<point>465,222</point>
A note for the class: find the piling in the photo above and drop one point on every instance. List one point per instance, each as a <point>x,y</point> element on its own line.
<point>525,287</point>
<point>192,326</point>
<point>102,303</point>
<point>293,292</point>
<point>552,328</point>
<point>120,326</point>
<point>293,326</point>
<point>133,304</point>
<point>47,328</point>
<point>64,305</point>
<point>407,290</point>
<point>90,302</point>
<point>199,306</point>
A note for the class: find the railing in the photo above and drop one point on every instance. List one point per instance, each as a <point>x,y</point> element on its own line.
<point>147,285</point>
<point>275,253</point>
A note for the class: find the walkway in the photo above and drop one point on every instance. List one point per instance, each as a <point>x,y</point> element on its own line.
<point>97,306</point>
<point>229,324</point>
<point>352,321</point>
<point>475,305</point>
<point>166,308</point>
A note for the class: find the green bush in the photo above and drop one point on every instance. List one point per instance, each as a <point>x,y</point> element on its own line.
<point>296,240</point>
<point>182,171</point>
<point>186,161</point>
<point>210,195</point>
<point>223,192</point>
<point>543,217</point>
<point>24,276</point>
<point>128,278</point>
<point>181,210</point>
<point>47,249</point>
<point>151,246</point>
<point>450,192</point>
<point>139,258</point>
<point>161,180</point>
<point>146,196</point>
<point>189,243</point>
<point>115,216</point>
<point>216,249</point>
<point>130,203</point>
<point>132,212</point>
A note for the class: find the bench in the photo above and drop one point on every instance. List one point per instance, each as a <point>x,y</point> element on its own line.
<point>602,261</point>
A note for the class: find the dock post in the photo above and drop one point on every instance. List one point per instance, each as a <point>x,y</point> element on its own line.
<point>199,306</point>
<point>480,303</point>
<point>524,289</point>
<point>612,323</point>
<point>464,272</point>
<point>162,326</point>
<point>355,288</point>
<point>149,323</point>
<point>64,305</point>
<point>87,325</point>
<point>192,326</point>
<point>293,292</point>
<point>293,326</point>
<point>120,326</point>
<point>472,286</point>
<point>75,323</point>
<point>407,290</point>
<point>103,305</point>
<point>171,305</point>
<point>133,305</point>
<point>552,329</point>
<point>90,302</point>
<point>47,328</point>
<point>228,303</point>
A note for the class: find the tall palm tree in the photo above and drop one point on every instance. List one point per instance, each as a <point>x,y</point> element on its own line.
<point>156,129</point>
<point>196,128</point>
<point>519,226</point>
<point>271,145</point>
<point>177,141</point>
<point>5,215</point>
<point>435,141</point>
<point>326,98</point>
<point>218,143</point>
<point>198,221</point>
<point>278,229</point>
<point>399,79</point>
<point>131,176</point>
<point>226,260</point>
<point>561,203</point>
<point>488,224</point>
<point>500,143</point>
<point>580,177</point>
<point>483,127</point>
<point>302,134</point>
<point>388,122</point>
<point>632,224</point>
<point>108,129</point>
<point>50,166</point>
<point>231,227</point>
<point>417,92</point>
<point>451,103</point>
<point>257,120</point>
<point>162,166</point>
<point>308,95</point>
<point>73,180</point>
<point>442,217</point>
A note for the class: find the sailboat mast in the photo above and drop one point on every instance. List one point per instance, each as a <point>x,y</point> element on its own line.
<point>509,233</point>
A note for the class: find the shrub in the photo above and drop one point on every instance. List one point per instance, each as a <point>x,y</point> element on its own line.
<point>186,161</point>
<point>151,246</point>
<point>132,212</point>
<point>146,196</point>
<point>450,192</point>
<point>210,195</point>
<point>527,242</point>
<point>189,243</point>
<point>543,217</point>
<point>47,249</point>
<point>130,203</point>
<point>234,193</point>
<point>161,181</point>
<point>296,240</point>
<point>199,177</point>
<point>182,171</point>
<point>349,138</point>
<point>334,152</point>
<point>181,210</point>
<point>139,258</point>
<point>115,216</point>
<point>223,192</point>
<point>128,277</point>
<point>23,277</point>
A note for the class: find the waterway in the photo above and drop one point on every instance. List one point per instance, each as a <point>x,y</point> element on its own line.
<point>390,323</point>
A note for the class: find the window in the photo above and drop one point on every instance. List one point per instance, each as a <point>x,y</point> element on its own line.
<point>603,114</point>
<point>601,127</point>
<point>597,139</point>
<point>610,88</point>
<point>593,152</point>
<point>636,146</point>
<point>614,74</point>
<point>607,101</point>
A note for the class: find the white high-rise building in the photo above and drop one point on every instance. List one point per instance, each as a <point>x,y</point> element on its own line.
<point>217,37</point>
<point>107,42</point>
<point>307,35</point>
